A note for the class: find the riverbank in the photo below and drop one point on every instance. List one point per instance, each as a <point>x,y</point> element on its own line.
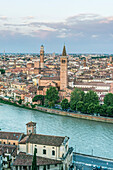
<point>62,113</point>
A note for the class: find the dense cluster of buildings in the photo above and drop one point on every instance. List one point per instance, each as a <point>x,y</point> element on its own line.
<point>29,75</point>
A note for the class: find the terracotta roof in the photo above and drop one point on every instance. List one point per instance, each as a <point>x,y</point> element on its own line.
<point>41,87</point>
<point>50,78</point>
<point>24,140</point>
<point>31,123</point>
<point>11,149</point>
<point>10,135</point>
<point>46,140</point>
<point>26,160</point>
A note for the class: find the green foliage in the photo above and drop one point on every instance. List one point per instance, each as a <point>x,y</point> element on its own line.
<point>97,108</point>
<point>91,97</point>
<point>52,96</point>
<point>33,106</point>
<point>109,111</point>
<point>108,99</point>
<point>39,98</point>
<point>85,108</point>
<point>91,108</point>
<point>103,110</point>
<point>64,104</point>
<point>76,96</point>
<point>79,106</point>
<point>20,101</point>
<point>34,162</point>
<point>2,71</point>
<point>46,104</point>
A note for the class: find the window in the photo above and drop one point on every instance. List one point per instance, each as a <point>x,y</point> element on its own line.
<point>44,151</point>
<point>29,131</point>
<point>55,164</point>
<point>53,152</point>
<point>13,143</point>
<point>4,143</point>
<point>44,167</point>
<point>63,61</point>
<point>9,143</point>
<point>48,166</point>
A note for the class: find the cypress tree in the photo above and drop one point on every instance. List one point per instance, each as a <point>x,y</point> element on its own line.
<point>34,162</point>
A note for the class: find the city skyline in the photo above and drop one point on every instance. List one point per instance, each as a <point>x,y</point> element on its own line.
<point>84,26</point>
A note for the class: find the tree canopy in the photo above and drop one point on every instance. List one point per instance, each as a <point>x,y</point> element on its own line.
<point>76,96</point>
<point>2,71</point>
<point>64,104</point>
<point>39,98</point>
<point>52,95</point>
<point>108,99</point>
<point>91,97</point>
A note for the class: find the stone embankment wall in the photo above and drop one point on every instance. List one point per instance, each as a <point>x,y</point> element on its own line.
<point>76,115</point>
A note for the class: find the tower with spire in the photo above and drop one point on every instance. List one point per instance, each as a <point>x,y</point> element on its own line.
<point>42,56</point>
<point>63,70</point>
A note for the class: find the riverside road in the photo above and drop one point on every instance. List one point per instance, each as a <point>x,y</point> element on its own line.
<point>87,162</point>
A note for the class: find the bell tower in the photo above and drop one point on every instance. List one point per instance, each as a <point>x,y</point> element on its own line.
<point>31,127</point>
<point>63,70</point>
<point>42,56</point>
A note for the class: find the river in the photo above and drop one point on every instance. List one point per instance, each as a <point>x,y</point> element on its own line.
<point>89,137</point>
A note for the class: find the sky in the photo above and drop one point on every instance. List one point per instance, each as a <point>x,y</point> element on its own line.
<point>85,26</point>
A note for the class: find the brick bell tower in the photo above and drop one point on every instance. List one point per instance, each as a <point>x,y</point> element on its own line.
<point>31,128</point>
<point>42,56</point>
<point>63,70</point>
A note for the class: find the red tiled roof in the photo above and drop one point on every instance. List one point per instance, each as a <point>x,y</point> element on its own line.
<point>26,160</point>
<point>31,123</point>
<point>50,78</point>
<point>11,149</point>
<point>46,140</point>
<point>10,135</point>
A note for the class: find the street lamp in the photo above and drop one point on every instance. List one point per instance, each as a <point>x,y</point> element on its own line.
<point>75,148</point>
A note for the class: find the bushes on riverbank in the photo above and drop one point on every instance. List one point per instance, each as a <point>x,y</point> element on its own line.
<point>89,103</point>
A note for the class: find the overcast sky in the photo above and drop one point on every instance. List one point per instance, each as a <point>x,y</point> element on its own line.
<point>85,26</point>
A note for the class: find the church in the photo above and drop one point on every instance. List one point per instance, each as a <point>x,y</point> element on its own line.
<point>60,82</point>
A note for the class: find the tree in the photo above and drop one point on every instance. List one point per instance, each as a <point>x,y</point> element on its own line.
<point>20,101</point>
<point>79,106</point>
<point>39,98</point>
<point>103,110</point>
<point>97,108</point>
<point>91,97</point>
<point>91,108</point>
<point>52,95</point>
<point>108,99</point>
<point>2,71</point>
<point>34,162</point>
<point>109,111</point>
<point>85,108</point>
<point>64,104</point>
<point>33,106</point>
<point>76,96</point>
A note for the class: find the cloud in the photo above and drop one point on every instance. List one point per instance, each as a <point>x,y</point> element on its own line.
<point>78,27</point>
<point>3,18</point>
<point>28,18</point>
<point>95,36</point>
